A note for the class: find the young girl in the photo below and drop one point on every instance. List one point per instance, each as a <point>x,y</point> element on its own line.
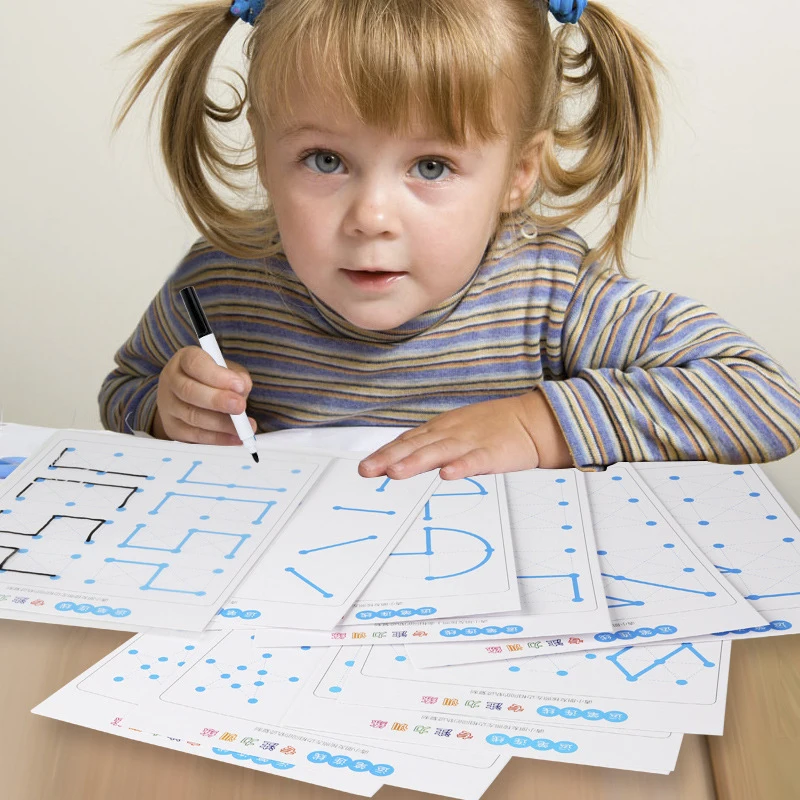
<point>411,263</point>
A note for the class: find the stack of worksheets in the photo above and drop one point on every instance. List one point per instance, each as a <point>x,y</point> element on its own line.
<point>298,619</point>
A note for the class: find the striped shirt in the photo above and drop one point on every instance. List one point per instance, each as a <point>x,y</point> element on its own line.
<point>631,373</point>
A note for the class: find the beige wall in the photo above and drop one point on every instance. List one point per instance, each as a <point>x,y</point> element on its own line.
<point>89,229</point>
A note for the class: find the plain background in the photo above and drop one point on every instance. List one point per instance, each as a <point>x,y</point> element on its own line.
<point>89,227</point>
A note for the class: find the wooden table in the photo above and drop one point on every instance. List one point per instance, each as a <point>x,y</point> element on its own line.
<point>42,759</point>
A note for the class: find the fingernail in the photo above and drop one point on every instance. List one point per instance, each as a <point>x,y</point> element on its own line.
<point>367,464</point>
<point>232,406</point>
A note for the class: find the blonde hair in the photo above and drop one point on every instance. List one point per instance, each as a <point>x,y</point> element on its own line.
<point>468,68</point>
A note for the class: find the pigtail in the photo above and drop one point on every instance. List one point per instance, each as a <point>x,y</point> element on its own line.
<point>193,151</point>
<point>617,136</point>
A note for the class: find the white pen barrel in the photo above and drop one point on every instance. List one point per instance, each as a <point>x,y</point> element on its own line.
<point>240,421</point>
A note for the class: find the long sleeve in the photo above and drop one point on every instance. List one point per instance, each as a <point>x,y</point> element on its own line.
<point>128,395</point>
<point>651,376</point>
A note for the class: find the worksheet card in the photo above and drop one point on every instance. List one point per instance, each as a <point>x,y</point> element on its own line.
<point>218,689</point>
<point>155,533</point>
<point>557,569</point>
<point>674,687</point>
<point>747,530</point>
<point>387,698</point>
<point>457,558</point>
<point>659,585</point>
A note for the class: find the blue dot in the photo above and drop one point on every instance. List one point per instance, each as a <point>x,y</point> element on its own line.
<point>561,480</point>
<point>399,658</point>
<point>241,667</point>
<point>335,689</point>
<point>133,652</point>
<point>218,571</point>
<point>204,516</point>
<point>669,546</point>
<point>305,647</point>
<point>246,466</point>
<point>252,700</point>
<point>651,522</point>
<point>688,569</point>
<point>569,550</point>
<point>23,550</point>
<point>561,672</point>
<point>71,503</point>
<point>166,459</point>
<point>181,663</point>
<point>295,472</point>
<point>718,546</point>
<point>89,580</point>
<point>145,666</point>
<point>738,472</point>
<point>633,499</point>
<point>688,499</point>
<point>702,522</point>
<point>563,502</point>
<point>681,682</point>
<point>602,552</point>
<point>294,679</point>
<point>117,455</point>
<point>236,686</point>
<point>617,478</point>
<point>266,655</point>
<point>75,556</point>
<point>771,516</point>
<point>196,688</point>
<point>513,669</point>
<point>225,675</point>
<point>258,683</point>
<point>788,539</point>
<point>118,678</point>
<point>349,663</point>
<point>188,646</point>
<point>674,477</point>
<point>154,677</point>
<point>211,661</point>
<point>57,578</point>
<point>262,672</point>
<point>163,658</point>
<point>755,494</point>
<point>566,527</point>
<point>590,656</point>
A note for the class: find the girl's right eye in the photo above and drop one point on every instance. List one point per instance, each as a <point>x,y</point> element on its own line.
<point>322,161</point>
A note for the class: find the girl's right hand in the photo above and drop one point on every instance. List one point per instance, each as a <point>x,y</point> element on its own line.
<point>196,398</point>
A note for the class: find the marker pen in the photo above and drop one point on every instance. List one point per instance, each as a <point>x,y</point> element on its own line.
<point>208,342</point>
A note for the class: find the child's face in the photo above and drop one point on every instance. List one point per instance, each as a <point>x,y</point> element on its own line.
<point>379,227</point>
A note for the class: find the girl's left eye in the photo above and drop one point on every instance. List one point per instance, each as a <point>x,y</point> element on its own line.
<point>431,169</point>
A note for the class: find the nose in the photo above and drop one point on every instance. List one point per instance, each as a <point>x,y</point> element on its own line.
<point>371,210</point>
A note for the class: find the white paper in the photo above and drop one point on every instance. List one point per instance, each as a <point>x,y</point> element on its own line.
<point>218,689</point>
<point>329,550</point>
<point>557,567</point>
<point>334,699</point>
<point>457,558</point>
<point>659,585</point>
<point>748,531</point>
<point>157,534</point>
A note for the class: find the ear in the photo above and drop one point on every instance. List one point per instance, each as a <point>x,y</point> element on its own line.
<point>524,173</point>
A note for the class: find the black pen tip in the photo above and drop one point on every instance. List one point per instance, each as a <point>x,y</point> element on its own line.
<point>255,457</point>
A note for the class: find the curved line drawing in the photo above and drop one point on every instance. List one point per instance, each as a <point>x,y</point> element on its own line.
<point>429,552</point>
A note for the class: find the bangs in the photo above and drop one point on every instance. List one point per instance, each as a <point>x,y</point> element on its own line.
<point>394,63</point>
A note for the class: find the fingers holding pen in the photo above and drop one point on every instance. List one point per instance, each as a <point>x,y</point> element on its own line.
<point>196,398</point>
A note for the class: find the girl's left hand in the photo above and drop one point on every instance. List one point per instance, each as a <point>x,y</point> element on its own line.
<point>494,436</point>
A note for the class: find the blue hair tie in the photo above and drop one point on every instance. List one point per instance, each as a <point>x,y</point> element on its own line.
<point>567,10</point>
<point>247,10</point>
